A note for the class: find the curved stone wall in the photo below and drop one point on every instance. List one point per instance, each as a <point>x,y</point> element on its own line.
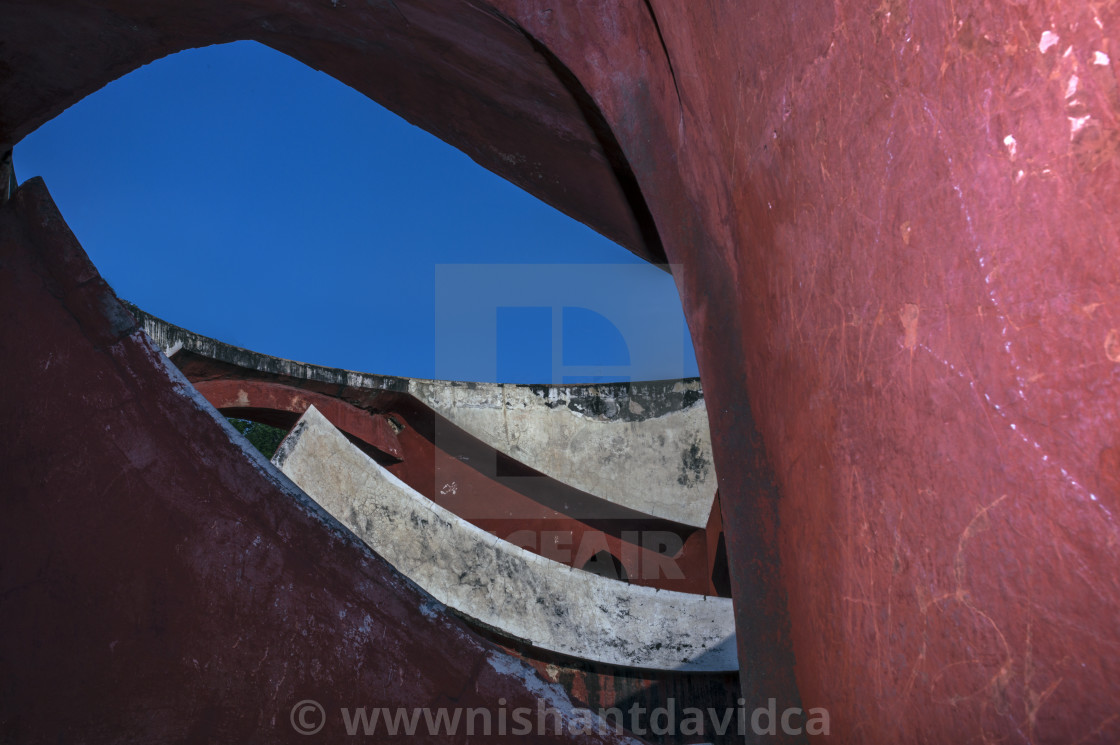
<point>644,446</point>
<point>518,593</point>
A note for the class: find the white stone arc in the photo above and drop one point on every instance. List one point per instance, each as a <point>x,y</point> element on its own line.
<point>517,593</point>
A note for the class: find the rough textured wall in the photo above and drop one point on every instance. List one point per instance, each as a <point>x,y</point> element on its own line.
<point>656,461</point>
<point>895,241</point>
<point>905,214</point>
<point>924,238</point>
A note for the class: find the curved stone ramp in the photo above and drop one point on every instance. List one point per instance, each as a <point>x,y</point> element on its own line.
<point>645,446</point>
<point>518,593</point>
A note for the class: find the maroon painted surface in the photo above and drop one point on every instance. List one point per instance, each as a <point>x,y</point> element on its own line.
<point>915,314</point>
<point>236,396</point>
<point>157,586</point>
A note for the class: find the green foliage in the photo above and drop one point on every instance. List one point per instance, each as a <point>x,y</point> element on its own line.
<point>261,436</point>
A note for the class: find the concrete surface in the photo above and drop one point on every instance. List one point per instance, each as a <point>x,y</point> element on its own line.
<point>645,445</point>
<point>517,593</point>
<point>642,445</point>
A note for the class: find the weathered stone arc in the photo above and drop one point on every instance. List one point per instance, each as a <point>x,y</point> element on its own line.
<point>657,462</point>
<point>643,421</point>
<point>519,594</point>
<point>643,445</point>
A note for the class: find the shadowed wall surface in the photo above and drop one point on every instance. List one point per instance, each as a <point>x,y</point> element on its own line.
<point>894,235</point>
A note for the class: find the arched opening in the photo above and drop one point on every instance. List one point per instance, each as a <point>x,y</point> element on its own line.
<point>241,194</point>
<point>226,179</point>
<point>264,437</point>
<point>569,344</point>
<point>595,203</point>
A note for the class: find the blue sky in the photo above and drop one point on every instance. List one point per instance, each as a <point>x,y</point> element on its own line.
<point>243,195</point>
